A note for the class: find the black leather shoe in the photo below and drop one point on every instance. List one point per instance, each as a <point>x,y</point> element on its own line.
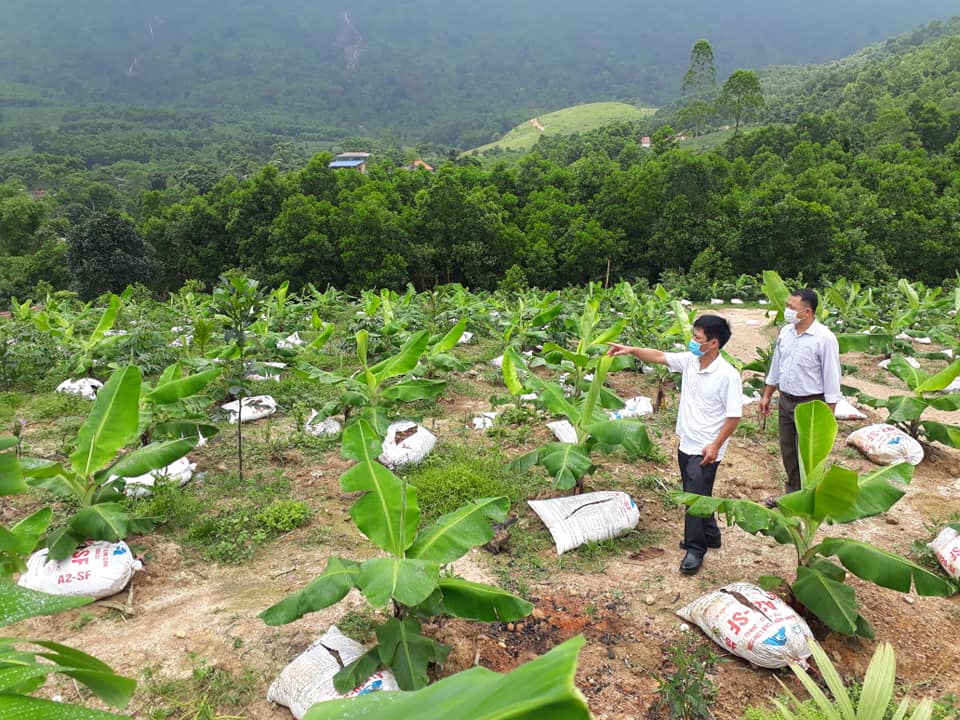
<point>691,563</point>
<point>713,543</point>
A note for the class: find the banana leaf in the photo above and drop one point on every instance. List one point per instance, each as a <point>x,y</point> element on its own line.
<point>453,534</point>
<point>542,688</point>
<point>329,588</point>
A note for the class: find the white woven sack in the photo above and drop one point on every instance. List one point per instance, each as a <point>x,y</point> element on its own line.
<point>291,341</point>
<point>845,410</point>
<point>946,546</point>
<point>84,387</point>
<point>483,421</point>
<point>328,427</point>
<point>411,449</point>
<point>264,371</point>
<point>254,408</point>
<point>886,445</point>
<point>179,471</point>
<point>577,519</point>
<point>96,570</point>
<point>751,623</point>
<point>465,338</point>
<point>563,431</point>
<point>308,679</point>
<point>634,407</point>
<point>911,361</point>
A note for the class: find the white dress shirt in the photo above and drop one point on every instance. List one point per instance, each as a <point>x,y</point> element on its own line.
<point>807,363</point>
<point>707,398</point>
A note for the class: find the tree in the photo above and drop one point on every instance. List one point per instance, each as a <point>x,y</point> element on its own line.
<point>700,79</point>
<point>741,97</point>
<point>105,254</point>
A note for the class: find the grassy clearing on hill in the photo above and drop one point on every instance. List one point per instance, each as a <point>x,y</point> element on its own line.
<point>578,118</point>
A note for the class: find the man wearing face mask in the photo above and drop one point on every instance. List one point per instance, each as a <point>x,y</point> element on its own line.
<point>805,366</point>
<point>711,402</point>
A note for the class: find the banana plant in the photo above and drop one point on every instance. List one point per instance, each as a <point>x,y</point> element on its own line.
<point>543,687</point>
<point>174,407</point>
<point>375,389</point>
<point>60,324</point>
<point>829,494</point>
<point>776,291</point>
<point>569,463</point>
<point>112,424</point>
<point>410,576</point>
<point>906,411</point>
<point>26,663</point>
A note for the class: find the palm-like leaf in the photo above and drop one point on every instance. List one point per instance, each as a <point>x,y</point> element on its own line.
<point>112,422</point>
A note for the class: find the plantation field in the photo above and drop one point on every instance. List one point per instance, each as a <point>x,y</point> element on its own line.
<point>233,542</point>
<point>576,119</point>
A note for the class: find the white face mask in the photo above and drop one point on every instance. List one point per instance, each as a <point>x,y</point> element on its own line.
<point>790,315</point>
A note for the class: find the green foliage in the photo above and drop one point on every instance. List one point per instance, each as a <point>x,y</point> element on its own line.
<point>926,390</point>
<point>687,693</point>
<point>539,687</point>
<point>94,476</point>
<point>282,516</point>
<point>453,475</point>
<point>205,694</point>
<point>829,494</point>
<point>875,697</point>
<point>105,254</point>
<point>409,576</point>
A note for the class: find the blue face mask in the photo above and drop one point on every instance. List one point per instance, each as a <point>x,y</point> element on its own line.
<point>694,347</point>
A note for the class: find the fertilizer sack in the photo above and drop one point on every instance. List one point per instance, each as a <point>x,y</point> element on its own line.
<point>84,387</point>
<point>253,408</point>
<point>946,546</point>
<point>886,445</point>
<point>753,624</point>
<point>573,521</point>
<point>308,679</point>
<point>406,444</point>
<point>179,472</point>
<point>96,570</point>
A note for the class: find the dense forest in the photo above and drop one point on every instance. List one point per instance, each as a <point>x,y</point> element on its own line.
<point>852,170</point>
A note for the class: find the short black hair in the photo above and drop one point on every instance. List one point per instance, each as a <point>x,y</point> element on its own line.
<point>714,327</point>
<point>807,296</point>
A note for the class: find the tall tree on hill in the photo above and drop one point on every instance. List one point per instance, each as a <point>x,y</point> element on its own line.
<point>741,97</point>
<point>700,80</point>
<point>105,254</point>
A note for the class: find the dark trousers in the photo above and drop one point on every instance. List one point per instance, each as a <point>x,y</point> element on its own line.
<point>789,448</point>
<point>698,479</point>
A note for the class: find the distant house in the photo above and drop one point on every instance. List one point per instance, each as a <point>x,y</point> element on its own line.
<point>417,165</point>
<point>645,142</point>
<point>354,160</point>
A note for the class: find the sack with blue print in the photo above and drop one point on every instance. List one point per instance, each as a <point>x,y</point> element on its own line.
<point>886,445</point>
<point>753,624</point>
<point>308,679</point>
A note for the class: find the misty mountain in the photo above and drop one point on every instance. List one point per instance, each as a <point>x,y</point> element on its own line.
<point>452,71</point>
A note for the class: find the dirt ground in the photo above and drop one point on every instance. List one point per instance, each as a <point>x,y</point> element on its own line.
<point>182,609</point>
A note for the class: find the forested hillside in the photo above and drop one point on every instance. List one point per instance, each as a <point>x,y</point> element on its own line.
<point>858,178</point>
<point>451,72</point>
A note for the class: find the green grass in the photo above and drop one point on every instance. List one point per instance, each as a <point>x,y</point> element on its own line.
<point>579,118</point>
<point>455,475</point>
<point>204,695</point>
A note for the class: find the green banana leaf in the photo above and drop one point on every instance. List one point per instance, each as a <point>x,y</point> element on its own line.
<point>904,408</point>
<point>19,603</point>
<point>542,688</point>
<point>329,588</point>
<point>876,494</point>
<point>383,513</point>
<point>475,601</point>
<point>944,402</point>
<point>776,291</point>
<point>884,568</point>
<point>405,650</point>
<point>939,381</point>
<point>816,432</point>
<point>941,432</point>
<point>831,601</point>
<point>631,435</point>
<point>112,422</point>
<point>174,390</point>
<point>413,390</point>
<point>566,462</point>
<point>912,376</point>
<point>23,707</point>
<point>511,362</point>
<point>11,474</point>
<point>19,540</point>
<point>152,457</point>
<point>449,341</point>
<point>407,581</point>
<point>453,534</point>
<point>404,360</point>
<point>864,343</point>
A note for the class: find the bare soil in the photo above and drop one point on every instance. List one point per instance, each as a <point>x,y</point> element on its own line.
<point>182,609</point>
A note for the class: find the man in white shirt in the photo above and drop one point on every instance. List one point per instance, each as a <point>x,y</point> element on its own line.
<point>805,366</point>
<point>711,403</point>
